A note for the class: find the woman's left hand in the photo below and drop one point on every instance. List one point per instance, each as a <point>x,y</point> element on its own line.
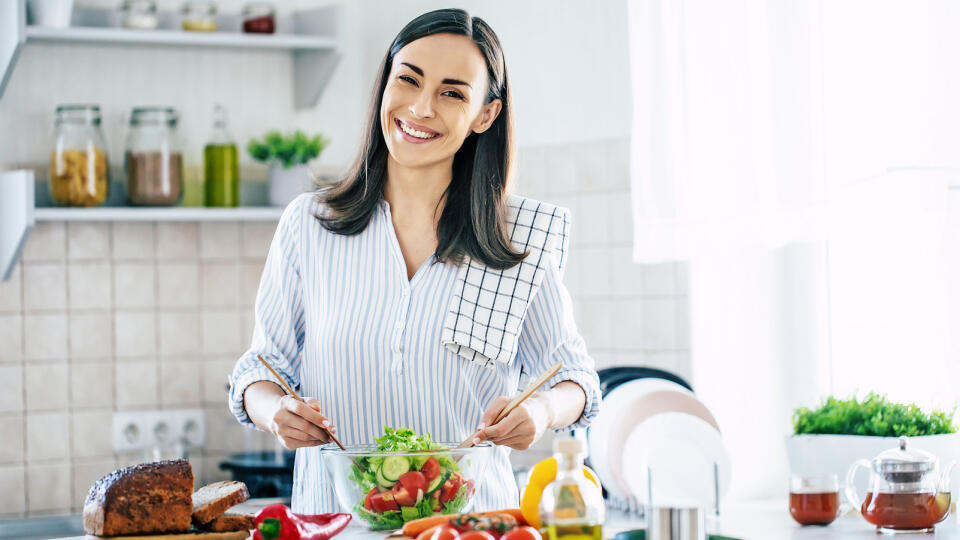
<point>519,429</point>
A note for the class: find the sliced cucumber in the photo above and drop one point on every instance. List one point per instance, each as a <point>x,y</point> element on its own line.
<point>394,466</point>
<point>384,482</point>
<point>438,482</point>
<point>435,484</point>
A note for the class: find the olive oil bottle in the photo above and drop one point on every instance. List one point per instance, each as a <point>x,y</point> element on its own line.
<point>221,165</point>
<point>571,507</point>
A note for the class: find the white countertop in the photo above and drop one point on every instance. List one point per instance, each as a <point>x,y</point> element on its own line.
<point>762,520</point>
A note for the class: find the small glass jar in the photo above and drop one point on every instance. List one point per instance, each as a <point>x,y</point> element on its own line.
<point>199,16</point>
<point>259,18</point>
<point>139,14</point>
<point>153,160</point>
<point>78,162</point>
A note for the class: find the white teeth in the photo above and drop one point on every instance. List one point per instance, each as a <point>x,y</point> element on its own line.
<point>415,133</point>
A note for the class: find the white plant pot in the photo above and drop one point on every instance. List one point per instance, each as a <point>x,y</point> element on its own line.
<point>287,184</point>
<point>51,13</point>
<point>819,455</point>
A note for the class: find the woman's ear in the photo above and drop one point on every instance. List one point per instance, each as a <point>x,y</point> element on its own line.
<point>487,115</point>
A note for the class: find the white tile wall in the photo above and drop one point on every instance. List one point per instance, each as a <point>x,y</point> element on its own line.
<point>47,386</point>
<point>48,488</point>
<point>11,425</point>
<point>13,500</point>
<point>48,436</point>
<point>43,286</point>
<point>11,337</point>
<point>45,337</point>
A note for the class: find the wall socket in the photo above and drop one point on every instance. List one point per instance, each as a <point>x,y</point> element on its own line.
<point>139,430</point>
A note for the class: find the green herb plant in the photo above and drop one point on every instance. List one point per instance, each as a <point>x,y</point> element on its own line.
<point>289,150</point>
<point>874,416</point>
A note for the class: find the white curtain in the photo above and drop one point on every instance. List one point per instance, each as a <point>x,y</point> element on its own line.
<point>805,158</point>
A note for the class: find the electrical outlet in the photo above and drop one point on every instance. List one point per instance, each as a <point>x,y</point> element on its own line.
<point>138,430</point>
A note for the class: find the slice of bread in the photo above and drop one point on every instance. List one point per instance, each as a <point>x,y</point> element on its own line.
<point>214,499</point>
<point>230,521</point>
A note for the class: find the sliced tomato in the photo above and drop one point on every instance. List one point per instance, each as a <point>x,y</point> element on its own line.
<point>450,488</point>
<point>383,502</point>
<point>522,533</point>
<point>413,481</point>
<point>445,532</point>
<point>366,500</point>
<point>404,497</point>
<point>431,469</point>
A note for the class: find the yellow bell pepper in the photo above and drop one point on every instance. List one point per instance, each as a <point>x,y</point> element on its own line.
<point>542,474</point>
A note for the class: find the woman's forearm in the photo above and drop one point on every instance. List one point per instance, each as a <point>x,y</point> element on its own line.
<point>260,400</point>
<point>566,402</point>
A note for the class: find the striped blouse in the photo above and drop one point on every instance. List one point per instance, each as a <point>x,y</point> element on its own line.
<point>338,318</point>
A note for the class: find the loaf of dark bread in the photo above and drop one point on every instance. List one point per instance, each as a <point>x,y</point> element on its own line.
<point>230,521</point>
<point>145,498</point>
<point>214,499</point>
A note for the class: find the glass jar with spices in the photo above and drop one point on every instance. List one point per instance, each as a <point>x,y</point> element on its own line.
<point>199,16</point>
<point>153,160</point>
<point>78,162</point>
<point>139,14</point>
<point>259,18</point>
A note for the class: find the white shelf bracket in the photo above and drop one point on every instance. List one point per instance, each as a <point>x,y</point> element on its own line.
<point>16,217</point>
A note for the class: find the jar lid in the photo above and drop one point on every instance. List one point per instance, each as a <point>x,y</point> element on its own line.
<point>153,115</point>
<point>258,9</point>
<point>139,5</point>
<point>904,460</point>
<point>201,7</point>
<point>78,112</point>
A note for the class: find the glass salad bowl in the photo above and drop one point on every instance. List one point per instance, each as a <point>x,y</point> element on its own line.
<point>387,488</point>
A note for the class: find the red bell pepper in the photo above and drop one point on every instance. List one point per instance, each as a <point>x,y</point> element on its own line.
<point>277,522</point>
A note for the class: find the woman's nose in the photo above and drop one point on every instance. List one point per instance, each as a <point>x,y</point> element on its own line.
<point>422,107</point>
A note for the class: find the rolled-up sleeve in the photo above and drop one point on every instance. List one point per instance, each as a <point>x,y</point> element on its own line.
<point>278,331</point>
<point>550,335</point>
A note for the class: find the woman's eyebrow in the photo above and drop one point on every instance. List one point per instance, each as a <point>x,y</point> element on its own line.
<point>445,81</point>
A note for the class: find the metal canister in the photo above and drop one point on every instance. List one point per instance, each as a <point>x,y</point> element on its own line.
<point>672,523</point>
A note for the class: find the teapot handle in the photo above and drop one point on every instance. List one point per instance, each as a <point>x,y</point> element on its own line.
<point>851,489</point>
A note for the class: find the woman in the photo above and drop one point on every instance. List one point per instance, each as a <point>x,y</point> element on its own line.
<point>415,292</point>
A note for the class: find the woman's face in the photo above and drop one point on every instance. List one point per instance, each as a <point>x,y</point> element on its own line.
<point>434,99</point>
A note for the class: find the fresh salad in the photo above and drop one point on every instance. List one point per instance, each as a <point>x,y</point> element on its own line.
<point>402,488</point>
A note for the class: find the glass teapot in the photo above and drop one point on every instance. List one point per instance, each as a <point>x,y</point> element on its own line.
<point>906,492</point>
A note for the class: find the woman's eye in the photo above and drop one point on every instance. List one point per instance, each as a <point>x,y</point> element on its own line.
<point>409,79</point>
<point>453,94</point>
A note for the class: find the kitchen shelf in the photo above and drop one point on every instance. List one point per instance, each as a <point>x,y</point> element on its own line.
<point>19,196</point>
<point>311,36</point>
<point>178,213</point>
<point>177,37</point>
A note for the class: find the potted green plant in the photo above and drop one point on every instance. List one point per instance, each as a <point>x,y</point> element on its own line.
<point>287,156</point>
<point>829,438</point>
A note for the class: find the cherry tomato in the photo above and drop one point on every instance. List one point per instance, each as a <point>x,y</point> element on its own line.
<point>445,532</point>
<point>431,469</point>
<point>413,481</point>
<point>522,533</point>
<point>476,535</point>
<point>366,500</point>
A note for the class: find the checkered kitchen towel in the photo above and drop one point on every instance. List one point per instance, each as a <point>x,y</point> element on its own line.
<point>488,306</point>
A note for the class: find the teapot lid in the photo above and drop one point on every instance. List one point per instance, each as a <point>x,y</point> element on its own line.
<point>902,459</point>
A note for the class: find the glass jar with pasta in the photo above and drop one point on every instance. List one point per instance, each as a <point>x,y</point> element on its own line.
<point>78,162</point>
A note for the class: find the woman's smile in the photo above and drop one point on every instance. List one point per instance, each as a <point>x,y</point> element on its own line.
<point>415,133</point>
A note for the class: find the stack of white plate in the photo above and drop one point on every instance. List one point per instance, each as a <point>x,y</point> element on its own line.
<point>660,426</point>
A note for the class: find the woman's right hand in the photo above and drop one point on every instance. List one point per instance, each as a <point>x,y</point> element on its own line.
<point>297,424</point>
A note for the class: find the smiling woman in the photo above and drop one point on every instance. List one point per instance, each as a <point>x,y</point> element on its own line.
<point>415,292</point>
<point>441,96</point>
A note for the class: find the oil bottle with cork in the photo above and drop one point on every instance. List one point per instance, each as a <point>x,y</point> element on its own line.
<point>221,166</point>
<point>572,506</point>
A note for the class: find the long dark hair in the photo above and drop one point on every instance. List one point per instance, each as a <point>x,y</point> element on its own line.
<point>473,220</point>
